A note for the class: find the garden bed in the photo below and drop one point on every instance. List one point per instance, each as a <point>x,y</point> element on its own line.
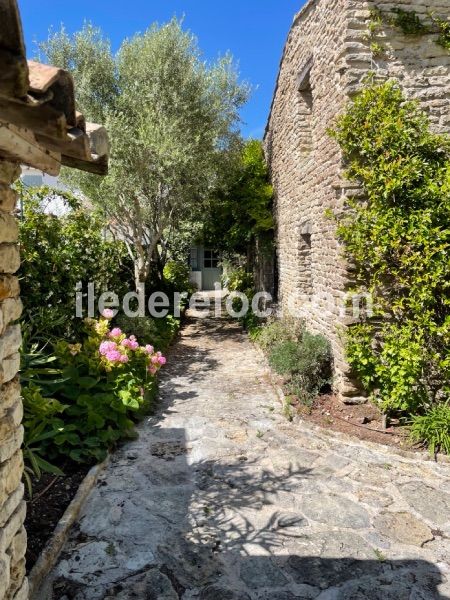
<point>363,421</point>
<point>51,496</point>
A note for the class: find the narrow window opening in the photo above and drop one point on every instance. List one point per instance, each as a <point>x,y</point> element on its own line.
<point>305,256</point>
<point>305,112</point>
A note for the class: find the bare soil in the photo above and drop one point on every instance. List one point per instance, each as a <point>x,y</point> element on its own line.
<point>363,421</point>
<point>51,496</point>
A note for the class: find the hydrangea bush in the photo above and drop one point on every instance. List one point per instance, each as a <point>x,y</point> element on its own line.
<point>104,384</point>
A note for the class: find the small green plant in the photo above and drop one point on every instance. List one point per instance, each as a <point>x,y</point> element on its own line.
<point>409,22</point>
<point>433,428</point>
<point>259,434</point>
<point>443,26</point>
<point>380,556</point>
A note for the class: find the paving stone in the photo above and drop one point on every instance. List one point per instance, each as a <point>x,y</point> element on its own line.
<point>431,503</point>
<point>334,510</point>
<point>403,527</point>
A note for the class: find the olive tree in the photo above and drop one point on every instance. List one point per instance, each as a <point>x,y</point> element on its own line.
<point>173,123</point>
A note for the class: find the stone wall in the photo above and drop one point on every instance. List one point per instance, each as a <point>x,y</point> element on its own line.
<point>325,60</point>
<point>13,584</point>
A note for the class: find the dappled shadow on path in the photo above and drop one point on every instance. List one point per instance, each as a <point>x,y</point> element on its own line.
<point>193,511</point>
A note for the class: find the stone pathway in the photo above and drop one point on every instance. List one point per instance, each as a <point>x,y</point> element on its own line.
<point>221,498</point>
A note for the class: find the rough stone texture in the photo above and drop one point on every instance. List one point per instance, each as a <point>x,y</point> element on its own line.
<point>221,498</point>
<point>329,37</point>
<point>12,507</point>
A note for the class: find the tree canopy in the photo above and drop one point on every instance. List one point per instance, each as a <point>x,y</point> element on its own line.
<point>173,123</point>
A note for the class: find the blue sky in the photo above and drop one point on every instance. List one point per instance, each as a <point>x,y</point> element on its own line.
<point>253,30</point>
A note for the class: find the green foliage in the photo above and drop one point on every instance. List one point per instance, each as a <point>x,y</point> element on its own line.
<point>172,119</point>
<point>158,332</point>
<point>399,240</point>
<point>433,428</point>
<point>59,252</point>
<point>306,363</point>
<point>243,209</point>
<point>409,22</point>
<point>277,331</point>
<point>302,358</point>
<point>176,277</point>
<point>443,26</point>
<point>78,403</point>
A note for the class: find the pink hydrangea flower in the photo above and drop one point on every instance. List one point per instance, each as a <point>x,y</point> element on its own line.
<point>106,347</point>
<point>134,344</point>
<point>114,356</point>
<point>158,354</point>
<point>162,360</point>
<point>133,338</point>
<point>124,358</point>
<point>152,370</point>
<point>126,343</point>
<point>116,332</point>
<point>155,360</point>
<point>108,313</point>
<point>149,349</point>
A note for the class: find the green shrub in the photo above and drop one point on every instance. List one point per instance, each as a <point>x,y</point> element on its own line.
<point>283,357</point>
<point>433,428</point>
<point>399,242</point>
<point>276,331</point>
<point>176,276</point>
<point>158,332</point>
<point>305,362</point>
<point>89,398</point>
<point>59,252</point>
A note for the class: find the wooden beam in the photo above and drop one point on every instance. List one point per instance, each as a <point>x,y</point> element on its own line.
<point>76,144</point>
<point>11,35</point>
<point>97,167</point>
<point>13,74</point>
<point>20,145</point>
<point>41,119</point>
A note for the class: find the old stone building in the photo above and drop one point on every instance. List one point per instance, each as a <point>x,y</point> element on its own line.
<point>39,127</point>
<point>331,47</point>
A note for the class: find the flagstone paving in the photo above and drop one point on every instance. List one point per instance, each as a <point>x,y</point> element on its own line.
<point>221,498</point>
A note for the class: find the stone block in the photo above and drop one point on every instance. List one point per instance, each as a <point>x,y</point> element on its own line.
<point>10,477</point>
<point>9,287</point>
<point>9,396</point>
<point>9,367</point>
<point>13,525</point>
<point>10,311</point>
<point>19,545</point>
<point>9,230</point>
<point>8,198</point>
<point>9,258</point>
<point>13,501</point>
<point>10,444</point>
<point>9,172</point>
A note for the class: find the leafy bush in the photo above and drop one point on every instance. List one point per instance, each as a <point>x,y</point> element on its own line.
<point>176,274</point>
<point>276,331</point>
<point>306,363</point>
<point>159,332</point>
<point>399,240</point>
<point>433,428</point>
<point>59,252</point>
<point>88,399</point>
<point>302,358</point>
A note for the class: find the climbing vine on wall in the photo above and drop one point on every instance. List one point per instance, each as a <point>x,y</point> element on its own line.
<point>409,23</point>
<point>399,241</point>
